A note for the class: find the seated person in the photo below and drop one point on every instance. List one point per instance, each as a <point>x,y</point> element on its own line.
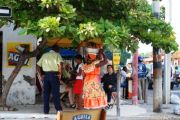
<point>109,81</point>
<point>66,86</point>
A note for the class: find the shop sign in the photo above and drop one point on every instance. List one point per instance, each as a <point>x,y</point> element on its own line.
<point>5,12</point>
<point>13,53</point>
<point>82,117</point>
<point>116,60</point>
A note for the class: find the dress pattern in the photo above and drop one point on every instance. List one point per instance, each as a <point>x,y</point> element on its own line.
<point>94,96</point>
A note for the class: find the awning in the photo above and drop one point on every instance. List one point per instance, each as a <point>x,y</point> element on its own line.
<point>67,43</point>
<point>64,42</point>
<point>176,55</point>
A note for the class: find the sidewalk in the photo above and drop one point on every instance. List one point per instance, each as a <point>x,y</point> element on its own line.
<point>127,112</point>
<point>35,112</point>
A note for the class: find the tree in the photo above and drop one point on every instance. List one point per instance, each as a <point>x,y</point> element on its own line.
<point>51,20</point>
<point>120,24</point>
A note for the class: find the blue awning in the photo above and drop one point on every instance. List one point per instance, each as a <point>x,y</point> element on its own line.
<point>65,52</point>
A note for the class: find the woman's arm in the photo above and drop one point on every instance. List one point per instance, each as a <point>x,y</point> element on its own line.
<point>104,61</point>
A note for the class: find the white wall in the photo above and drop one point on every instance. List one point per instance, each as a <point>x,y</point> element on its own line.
<point>21,91</point>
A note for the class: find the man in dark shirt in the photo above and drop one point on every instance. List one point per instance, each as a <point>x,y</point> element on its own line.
<point>109,81</point>
<point>142,72</point>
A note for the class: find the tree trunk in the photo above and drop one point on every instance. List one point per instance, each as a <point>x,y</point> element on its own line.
<point>135,78</point>
<point>157,82</point>
<point>11,79</point>
<point>17,69</point>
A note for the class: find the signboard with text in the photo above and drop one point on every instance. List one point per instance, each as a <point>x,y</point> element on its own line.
<point>116,60</point>
<point>5,12</point>
<point>13,49</point>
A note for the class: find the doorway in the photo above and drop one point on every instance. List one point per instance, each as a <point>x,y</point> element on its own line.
<point>1,36</point>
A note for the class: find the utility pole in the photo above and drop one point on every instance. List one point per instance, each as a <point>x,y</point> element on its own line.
<point>118,93</point>
<point>135,78</point>
<point>167,63</point>
<point>157,67</point>
<point>116,62</point>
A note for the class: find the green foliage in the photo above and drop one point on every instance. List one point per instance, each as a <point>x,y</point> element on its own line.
<point>162,13</point>
<point>120,23</point>
<point>50,27</point>
<point>152,31</point>
<point>88,30</point>
<point>40,17</point>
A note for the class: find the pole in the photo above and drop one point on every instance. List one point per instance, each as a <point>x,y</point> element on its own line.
<point>157,68</point>
<point>167,75</point>
<point>135,79</point>
<point>167,79</point>
<point>118,93</point>
<point>116,62</point>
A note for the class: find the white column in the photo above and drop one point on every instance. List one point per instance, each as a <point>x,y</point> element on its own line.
<point>167,63</point>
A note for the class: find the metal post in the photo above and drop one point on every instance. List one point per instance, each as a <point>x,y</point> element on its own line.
<point>157,67</point>
<point>135,78</point>
<point>167,74</point>
<point>118,93</point>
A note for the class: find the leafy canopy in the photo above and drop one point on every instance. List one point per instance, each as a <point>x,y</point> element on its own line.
<point>120,23</point>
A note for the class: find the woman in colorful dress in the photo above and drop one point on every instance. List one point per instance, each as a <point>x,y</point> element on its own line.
<point>94,96</point>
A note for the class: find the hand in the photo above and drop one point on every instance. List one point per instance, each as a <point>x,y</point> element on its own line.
<point>101,51</point>
<point>110,86</point>
<point>59,76</point>
<point>41,77</point>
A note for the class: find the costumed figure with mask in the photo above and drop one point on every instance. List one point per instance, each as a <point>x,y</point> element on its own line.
<point>94,96</point>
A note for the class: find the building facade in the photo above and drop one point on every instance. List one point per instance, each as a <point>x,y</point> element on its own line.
<point>23,88</point>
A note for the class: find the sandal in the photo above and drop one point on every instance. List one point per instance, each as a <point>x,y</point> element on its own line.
<point>110,106</point>
<point>73,106</point>
<point>107,107</point>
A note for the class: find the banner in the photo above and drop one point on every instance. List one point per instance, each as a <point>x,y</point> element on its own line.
<point>116,60</point>
<point>13,53</point>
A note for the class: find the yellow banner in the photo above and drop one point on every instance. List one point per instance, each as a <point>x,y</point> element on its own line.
<point>116,58</point>
<point>116,61</point>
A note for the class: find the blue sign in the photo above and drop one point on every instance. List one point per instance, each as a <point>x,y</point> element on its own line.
<point>82,117</point>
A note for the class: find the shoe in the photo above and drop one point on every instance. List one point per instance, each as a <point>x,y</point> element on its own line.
<point>73,106</point>
<point>46,113</point>
<point>107,107</point>
<point>110,106</point>
<point>58,115</point>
